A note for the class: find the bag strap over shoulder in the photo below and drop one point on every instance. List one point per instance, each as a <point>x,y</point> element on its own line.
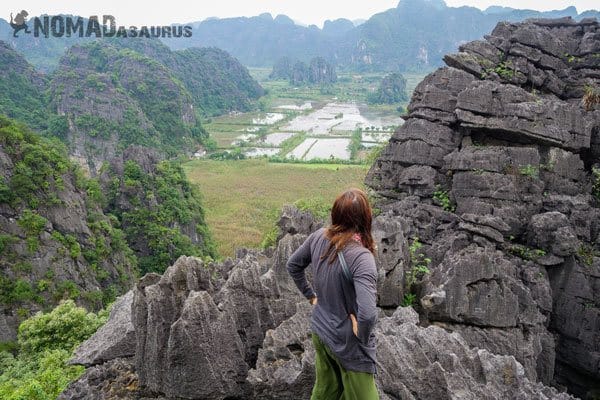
<point>345,270</point>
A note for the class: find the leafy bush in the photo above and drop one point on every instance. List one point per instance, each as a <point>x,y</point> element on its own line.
<point>319,208</point>
<point>61,329</point>
<point>39,371</point>
<point>408,300</point>
<point>40,164</point>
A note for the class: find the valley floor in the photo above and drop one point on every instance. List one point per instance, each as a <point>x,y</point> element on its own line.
<point>243,198</point>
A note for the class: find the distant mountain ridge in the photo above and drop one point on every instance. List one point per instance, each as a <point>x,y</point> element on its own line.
<point>414,35</point>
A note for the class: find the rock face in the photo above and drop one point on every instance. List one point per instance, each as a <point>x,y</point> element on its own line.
<point>488,219</point>
<point>115,339</point>
<point>492,171</point>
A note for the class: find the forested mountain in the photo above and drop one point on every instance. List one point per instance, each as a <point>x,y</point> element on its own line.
<point>318,71</point>
<point>417,33</point>
<point>392,89</point>
<point>21,89</point>
<point>414,35</point>
<point>106,95</point>
<point>65,236</point>
<point>260,40</point>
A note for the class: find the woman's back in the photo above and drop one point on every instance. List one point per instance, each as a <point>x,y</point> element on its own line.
<point>338,298</point>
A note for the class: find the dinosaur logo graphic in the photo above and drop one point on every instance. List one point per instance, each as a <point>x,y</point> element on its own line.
<point>19,22</point>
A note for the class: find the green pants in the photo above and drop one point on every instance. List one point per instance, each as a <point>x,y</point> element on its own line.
<point>333,382</point>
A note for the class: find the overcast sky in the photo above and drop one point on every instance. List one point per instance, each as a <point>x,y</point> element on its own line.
<point>135,12</point>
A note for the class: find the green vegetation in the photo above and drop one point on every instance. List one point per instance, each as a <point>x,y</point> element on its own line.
<point>161,202</point>
<point>20,97</point>
<point>21,93</point>
<point>529,170</point>
<point>419,263</point>
<point>40,175</point>
<point>317,206</point>
<point>319,71</point>
<point>596,182</point>
<point>526,253</point>
<point>39,370</point>
<point>443,199</point>
<point>505,70</point>
<point>591,97</point>
<point>349,87</point>
<point>409,300</point>
<point>586,254</point>
<point>392,89</point>
<point>355,144</point>
<point>39,165</point>
<point>243,199</point>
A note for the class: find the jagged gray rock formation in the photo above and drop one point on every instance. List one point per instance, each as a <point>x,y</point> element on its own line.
<point>115,339</point>
<point>492,172</point>
<point>413,363</point>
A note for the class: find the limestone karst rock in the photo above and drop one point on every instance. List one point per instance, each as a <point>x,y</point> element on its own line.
<point>502,136</point>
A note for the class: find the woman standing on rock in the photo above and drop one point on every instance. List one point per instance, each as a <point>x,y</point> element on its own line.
<point>345,280</point>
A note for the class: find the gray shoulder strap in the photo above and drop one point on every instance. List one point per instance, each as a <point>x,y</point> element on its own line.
<point>345,269</point>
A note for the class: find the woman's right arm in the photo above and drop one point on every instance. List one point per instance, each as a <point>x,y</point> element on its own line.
<point>296,265</point>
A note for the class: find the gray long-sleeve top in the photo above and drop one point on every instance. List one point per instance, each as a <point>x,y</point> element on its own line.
<point>337,298</point>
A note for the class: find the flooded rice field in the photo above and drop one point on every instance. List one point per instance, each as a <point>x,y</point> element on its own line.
<point>328,130</point>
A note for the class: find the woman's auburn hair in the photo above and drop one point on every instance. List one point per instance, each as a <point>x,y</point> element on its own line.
<point>350,214</point>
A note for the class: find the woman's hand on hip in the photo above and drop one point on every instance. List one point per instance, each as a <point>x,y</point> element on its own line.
<point>354,324</point>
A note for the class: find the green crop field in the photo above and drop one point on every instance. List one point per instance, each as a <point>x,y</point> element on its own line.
<point>243,199</point>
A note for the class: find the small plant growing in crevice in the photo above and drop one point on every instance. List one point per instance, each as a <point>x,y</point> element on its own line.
<point>408,300</point>
<point>596,182</point>
<point>529,170</point>
<point>442,197</point>
<point>591,97</point>
<point>504,69</point>
<point>419,264</point>
<point>526,253</point>
<point>586,254</point>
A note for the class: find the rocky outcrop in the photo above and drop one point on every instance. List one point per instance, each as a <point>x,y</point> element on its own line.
<point>413,363</point>
<point>115,339</point>
<point>492,171</point>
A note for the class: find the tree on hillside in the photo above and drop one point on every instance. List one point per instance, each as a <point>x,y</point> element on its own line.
<point>299,73</point>
<point>391,90</point>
